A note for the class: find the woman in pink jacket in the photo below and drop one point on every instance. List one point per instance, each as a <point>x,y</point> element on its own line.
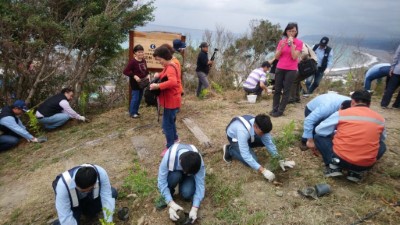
<point>288,52</point>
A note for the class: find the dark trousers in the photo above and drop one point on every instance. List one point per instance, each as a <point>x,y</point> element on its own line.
<point>283,81</point>
<point>8,141</point>
<point>325,147</point>
<point>391,87</point>
<point>90,207</point>
<point>234,150</point>
<point>295,90</point>
<point>313,81</point>
<point>187,185</point>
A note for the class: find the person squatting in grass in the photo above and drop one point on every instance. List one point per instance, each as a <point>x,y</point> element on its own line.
<point>246,132</point>
<point>288,52</point>
<point>56,111</point>
<point>170,95</point>
<point>86,190</point>
<point>316,111</point>
<point>11,127</point>
<point>137,72</point>
<point>256,82</point>
<point>183,165</point>
<point>351,139</point>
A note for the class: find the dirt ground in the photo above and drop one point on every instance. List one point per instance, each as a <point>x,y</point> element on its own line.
<point>234,193</point>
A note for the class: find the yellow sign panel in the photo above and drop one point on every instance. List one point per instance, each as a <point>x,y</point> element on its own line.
<point>150,41</point>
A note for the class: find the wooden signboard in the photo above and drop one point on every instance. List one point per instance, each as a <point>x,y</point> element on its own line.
<point>150,41</point>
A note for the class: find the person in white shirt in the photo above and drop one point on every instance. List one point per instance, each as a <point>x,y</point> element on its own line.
<point>256,81</point>
<point>56,111</point>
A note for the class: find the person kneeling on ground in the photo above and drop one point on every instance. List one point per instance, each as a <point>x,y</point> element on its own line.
<point>316,111</point>
<point>183,165</point>
<point>358,141</point>
<point>56,111</point>
<point>246,132</point>
<point>86,190</point>
<point>256,81</point>
<point>11,127</point>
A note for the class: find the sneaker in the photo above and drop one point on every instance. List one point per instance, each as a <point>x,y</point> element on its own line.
<point>371,91</point>
<point>384,107</point>
<point>333,171</point>
<point>306,95</point>
<point>227,158</point>
<point>163,152</point>
<point>177,140</point>
<point>272,112</point>
<point>135,116</point>
<point>354,176</point>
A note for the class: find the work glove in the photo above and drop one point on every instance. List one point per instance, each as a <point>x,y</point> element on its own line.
<point>173,208</point>
<point>284,163</point>
<point>268,175</point>
<point>193,214</point>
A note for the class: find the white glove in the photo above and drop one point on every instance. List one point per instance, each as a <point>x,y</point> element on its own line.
<point>173,207</point>
<point>268,175</point>
<point>82,118</point>
<point>284,163</point>
<point>193,214</point>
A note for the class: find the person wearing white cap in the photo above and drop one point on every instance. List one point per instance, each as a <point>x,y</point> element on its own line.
<point>11,127</point>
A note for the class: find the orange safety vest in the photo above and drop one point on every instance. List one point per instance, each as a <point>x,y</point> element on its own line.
<point>357,137</point>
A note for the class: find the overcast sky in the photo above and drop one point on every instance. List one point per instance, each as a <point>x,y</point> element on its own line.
<point>353,18</point>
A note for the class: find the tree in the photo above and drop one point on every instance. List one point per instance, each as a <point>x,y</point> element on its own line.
<point>64,40</point>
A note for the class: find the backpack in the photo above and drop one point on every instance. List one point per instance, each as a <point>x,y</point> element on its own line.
<point>149,97</point>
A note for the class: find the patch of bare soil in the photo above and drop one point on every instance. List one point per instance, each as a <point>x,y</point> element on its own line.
<point>26,172</point>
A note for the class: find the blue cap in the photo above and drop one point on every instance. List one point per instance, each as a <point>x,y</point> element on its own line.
<point>21,105</point>
<point>178,44</point>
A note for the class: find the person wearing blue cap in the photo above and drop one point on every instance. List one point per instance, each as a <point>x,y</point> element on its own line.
<point>11,127</point>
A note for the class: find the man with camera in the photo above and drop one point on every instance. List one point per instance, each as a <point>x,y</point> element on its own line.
<point>203,67</point>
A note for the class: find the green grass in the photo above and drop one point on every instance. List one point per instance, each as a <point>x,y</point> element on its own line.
<point>380,191</point>
<point>222,192</point>
<point>139,182</point>
<point>230,214</point>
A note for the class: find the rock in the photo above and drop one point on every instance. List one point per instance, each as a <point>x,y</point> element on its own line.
<point>132,195</point>
<point>140,221</point>
<point>279,193</point>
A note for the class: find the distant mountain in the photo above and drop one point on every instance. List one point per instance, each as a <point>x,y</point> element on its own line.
<point>387,44</point>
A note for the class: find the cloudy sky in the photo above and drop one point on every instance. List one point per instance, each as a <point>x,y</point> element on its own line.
<point>353,18</point>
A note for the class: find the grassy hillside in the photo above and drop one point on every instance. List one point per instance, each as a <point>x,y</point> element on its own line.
<point>235,194</point>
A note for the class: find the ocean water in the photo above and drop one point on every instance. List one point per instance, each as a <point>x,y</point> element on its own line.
<point>345,56</point>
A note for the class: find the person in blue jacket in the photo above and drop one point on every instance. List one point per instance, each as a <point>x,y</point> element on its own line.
<point>377,71</point>
<point>246,132</point>
<point>316,111</point>
<point>11,127</point>
<point>86,190</point>
<point>183,165</point>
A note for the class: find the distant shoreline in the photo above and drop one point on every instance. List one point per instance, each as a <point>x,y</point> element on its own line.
<point>375,56</point>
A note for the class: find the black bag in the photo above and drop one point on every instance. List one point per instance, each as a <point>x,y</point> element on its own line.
<point>149,97</point>
<point>307,67</point>
<point>144,83</point>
